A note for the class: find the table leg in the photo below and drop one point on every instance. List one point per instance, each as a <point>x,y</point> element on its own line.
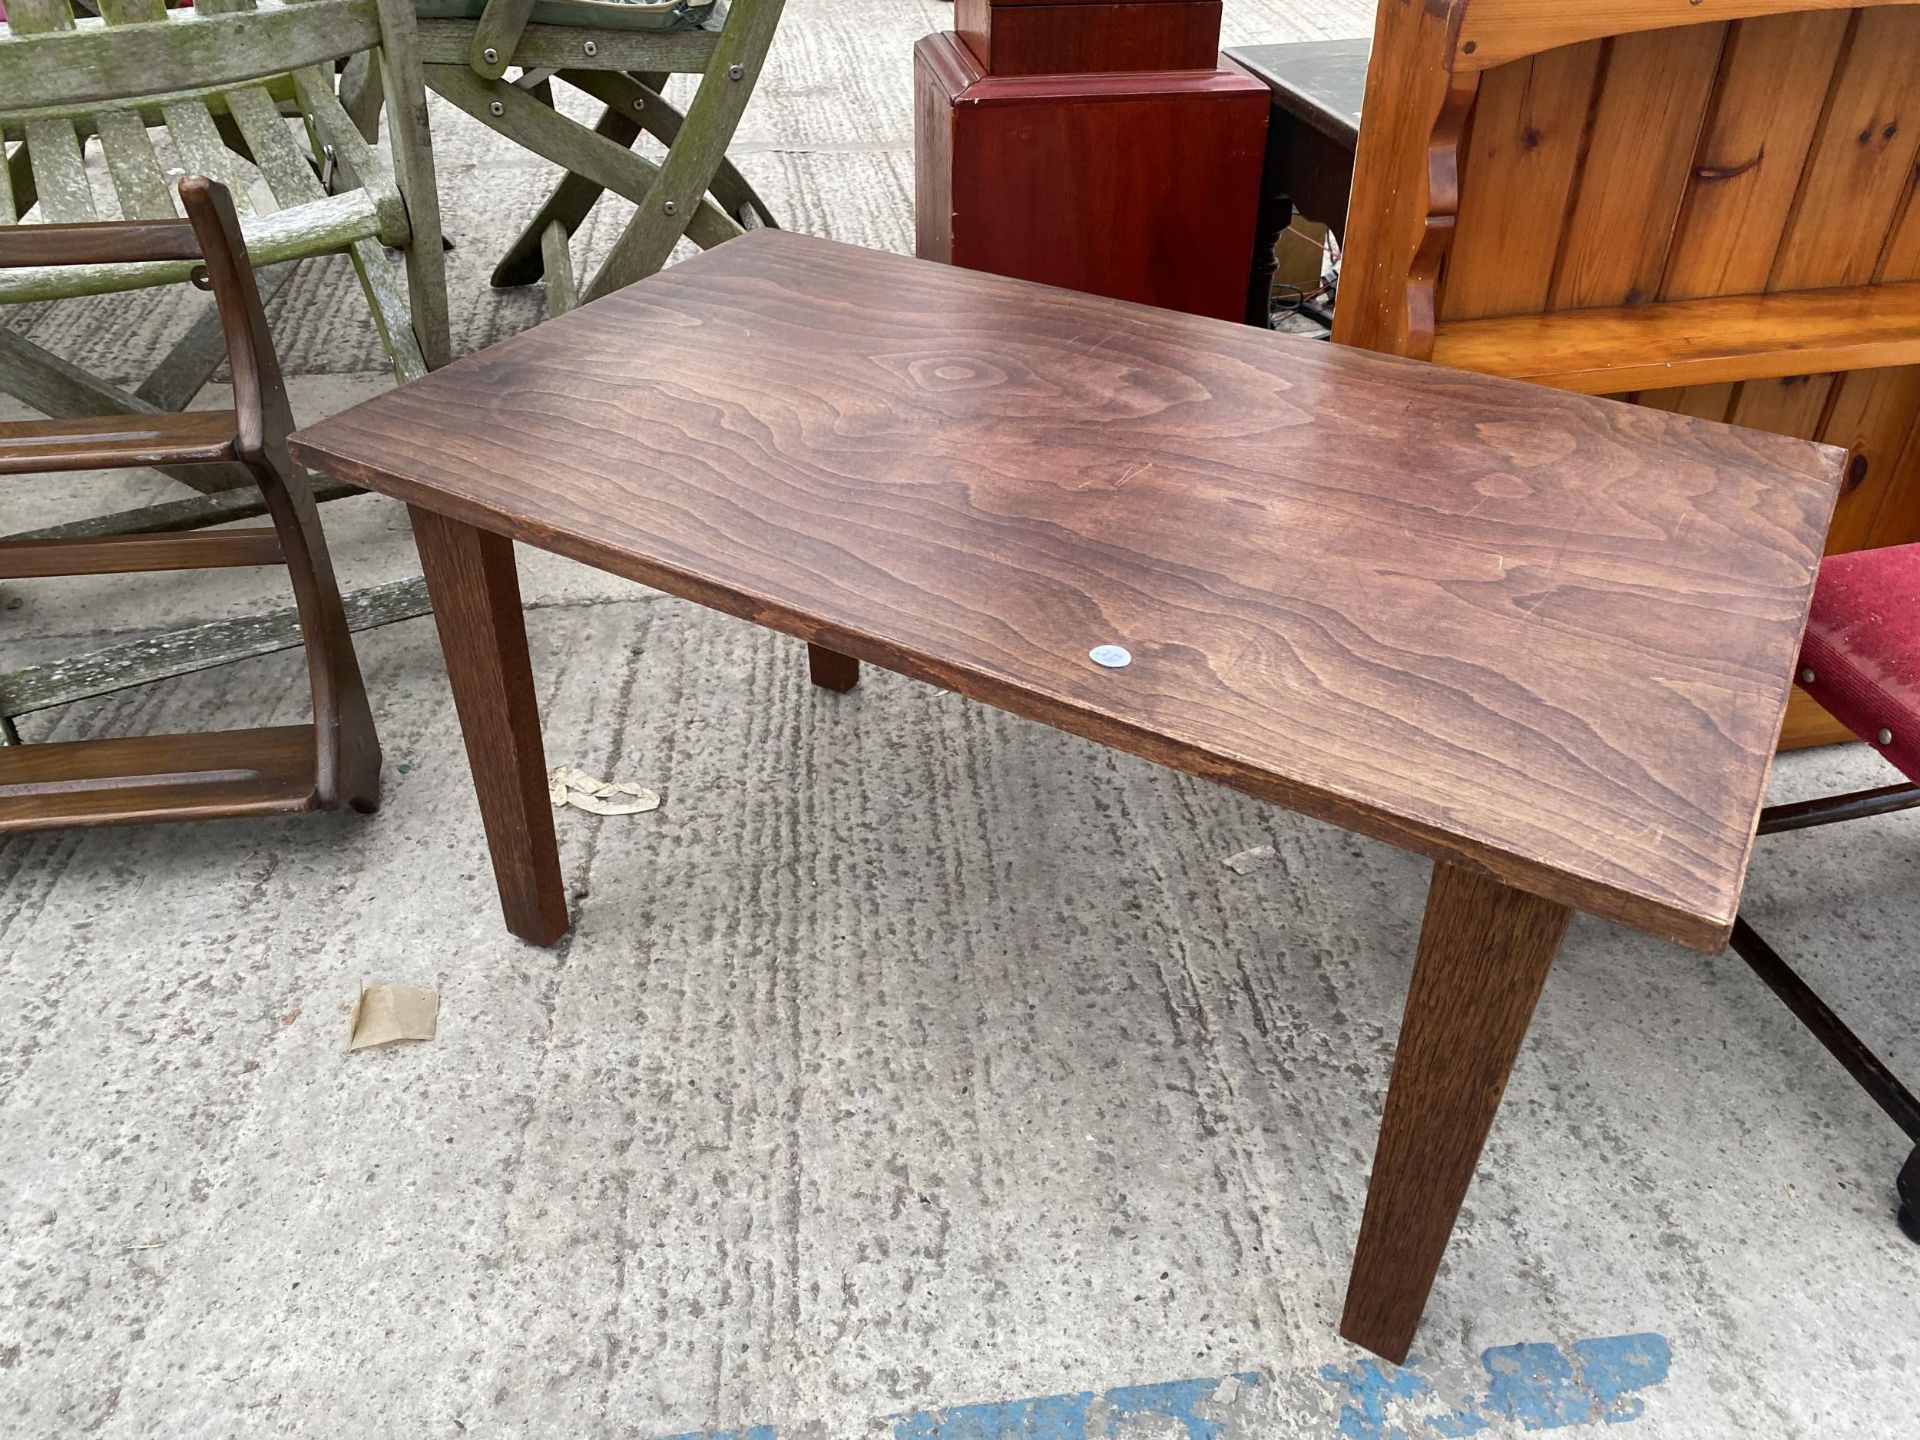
<point>476,603</point>
<point>831,670</point>
<point>1485,949</point>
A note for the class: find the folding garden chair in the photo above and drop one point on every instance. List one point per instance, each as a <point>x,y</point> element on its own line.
<point>621,55</point>
<point>1861,660</point>
<point>220,80</point>
<point>333,760</point>
<point>211,89</point>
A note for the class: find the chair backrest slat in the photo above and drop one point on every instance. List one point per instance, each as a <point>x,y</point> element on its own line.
<point>137,178</point>
<point>59,172</point>
<point>96,62</point>
<point>191,127</point>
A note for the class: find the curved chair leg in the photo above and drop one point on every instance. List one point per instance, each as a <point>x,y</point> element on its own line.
<point>346,748</point>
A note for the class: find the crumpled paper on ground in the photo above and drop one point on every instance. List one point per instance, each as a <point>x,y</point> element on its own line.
<point>568,786</point>
<point>385,1014</point>
<point>1247,860</point>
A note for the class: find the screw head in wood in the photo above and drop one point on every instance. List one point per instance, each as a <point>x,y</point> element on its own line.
<point>734,72</point>
<point>640,104</point>
<point>490,55</point>
<point>1885,737</point>
<point>1112,657</point>
<point>1806,676</point>
<point>671,208</point>
<point>590,49</point>
<point>496,108</point>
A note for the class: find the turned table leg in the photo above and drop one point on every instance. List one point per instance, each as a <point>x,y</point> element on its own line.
<point>476,603</point>
<point>1485,949</point>
<point>831,670</point>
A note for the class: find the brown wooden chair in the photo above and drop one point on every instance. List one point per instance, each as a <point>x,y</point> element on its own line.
<point>1705,208</point>
<point>335,759</point>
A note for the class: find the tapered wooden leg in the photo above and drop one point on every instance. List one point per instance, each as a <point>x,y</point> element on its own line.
<point>1485,949</point>
<point>831,670</point>
<point>476,603</point>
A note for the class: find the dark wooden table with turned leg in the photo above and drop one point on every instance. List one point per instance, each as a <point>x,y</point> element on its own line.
<point>1544,639</point>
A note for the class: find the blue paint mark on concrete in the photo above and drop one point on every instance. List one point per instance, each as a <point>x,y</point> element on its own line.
<point>1372,1387</point>
<point>1543,1387</point>
<point>1537,1386</point>
<point>1085,1416</point>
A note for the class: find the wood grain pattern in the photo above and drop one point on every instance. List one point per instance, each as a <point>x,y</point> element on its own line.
<point>1860,167</point>
<point>1600,350</point>
<point>1492,32</point>
<point>1086,39</point>
<point>190,437</point>
<point>1568,667</point>
<point>210,776</point>
<point>121,554</point>
<point>1529,132</point>
<point>1142,186</point>
<point>1484,955</point>
<point>1753,153</point>
<point>476,605</point>
<point>173,778</point>
<point>1640,149</point>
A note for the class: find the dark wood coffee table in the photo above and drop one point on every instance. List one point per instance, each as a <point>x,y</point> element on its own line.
<point>1542,638</point>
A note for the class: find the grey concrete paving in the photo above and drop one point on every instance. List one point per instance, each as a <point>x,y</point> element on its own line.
<point>913,1071</point>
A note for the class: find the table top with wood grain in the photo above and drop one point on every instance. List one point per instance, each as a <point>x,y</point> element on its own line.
<point>1540,634</point>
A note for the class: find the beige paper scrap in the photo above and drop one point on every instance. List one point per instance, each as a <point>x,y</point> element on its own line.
<point>385,1014</point>
<point>568,786</point>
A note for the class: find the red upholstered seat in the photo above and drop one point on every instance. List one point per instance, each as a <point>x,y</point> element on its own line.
<point>1862,649</point>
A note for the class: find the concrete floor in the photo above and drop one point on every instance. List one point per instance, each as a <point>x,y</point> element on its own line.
<point>914,1071</point>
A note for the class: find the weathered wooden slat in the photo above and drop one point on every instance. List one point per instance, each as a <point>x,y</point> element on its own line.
<point>546,132</point>
<point>411,146</point>
<point>569,204</point>
<point>563,293</point>
<point>203,151</point>
<point>40,17</point>
<point>59,172</point>
<point>331,224</point>
<point>1529,129</point>
<point>1861,164</point>
<point>137,178</point>
<point>1646,124</point>
<point>330,124</point>
<point>640,97</point>
<point>196,648</point>
<point>19,170</point>
<point>149,107</point>
<point>93,63</point>
<point>133,12</point>
<point>392,315</point>
<point>287,172</point>
<point>553,47</point>
<point>1765,111</point>
<point>643,247</point>
<point>495,34</point>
